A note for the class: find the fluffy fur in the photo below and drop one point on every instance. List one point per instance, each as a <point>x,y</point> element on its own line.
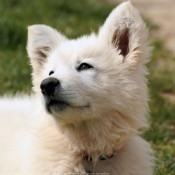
<point>107,103</point>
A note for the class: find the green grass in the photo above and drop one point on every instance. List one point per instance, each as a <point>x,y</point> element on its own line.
<point>162,133</point>
<point>74,18</point>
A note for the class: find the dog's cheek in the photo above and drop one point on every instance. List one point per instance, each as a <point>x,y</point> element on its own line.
<point>97,92</point>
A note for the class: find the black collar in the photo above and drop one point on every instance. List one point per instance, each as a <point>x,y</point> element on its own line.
<point>88,158</point>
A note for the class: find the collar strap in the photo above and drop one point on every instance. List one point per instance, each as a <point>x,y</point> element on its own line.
<point>88,158</point>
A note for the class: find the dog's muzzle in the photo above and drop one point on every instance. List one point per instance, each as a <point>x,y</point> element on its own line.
<point>50,88</point>
<point>55,97</point>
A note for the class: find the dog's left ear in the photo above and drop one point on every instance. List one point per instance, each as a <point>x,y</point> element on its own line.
<point>126,32</point>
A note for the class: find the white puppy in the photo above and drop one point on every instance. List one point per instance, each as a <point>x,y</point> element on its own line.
<point>89,103</point>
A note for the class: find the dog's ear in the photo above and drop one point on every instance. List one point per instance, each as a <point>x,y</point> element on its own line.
<point>125,31</point>
<point>42,40</point>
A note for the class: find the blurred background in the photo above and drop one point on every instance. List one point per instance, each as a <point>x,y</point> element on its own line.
<point>77,17</point>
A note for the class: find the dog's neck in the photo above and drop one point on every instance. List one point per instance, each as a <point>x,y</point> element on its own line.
<point>98,136</point>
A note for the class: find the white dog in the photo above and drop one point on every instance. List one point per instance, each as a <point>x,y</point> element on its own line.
<point>89,103</point>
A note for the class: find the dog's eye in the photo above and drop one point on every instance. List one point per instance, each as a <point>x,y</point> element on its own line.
<point>84,66</point>
<point>51,72</point>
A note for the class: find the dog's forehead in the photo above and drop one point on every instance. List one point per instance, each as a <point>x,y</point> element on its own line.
<point>77,50</point>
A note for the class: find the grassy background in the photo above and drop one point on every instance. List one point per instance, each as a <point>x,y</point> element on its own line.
<point>74,18</point>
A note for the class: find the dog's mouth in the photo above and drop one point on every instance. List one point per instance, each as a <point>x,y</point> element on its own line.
<point>59,106</point>
<point>56,105</point>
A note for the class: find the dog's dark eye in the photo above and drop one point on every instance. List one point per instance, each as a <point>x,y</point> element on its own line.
<point>51,72</point>
<point>84,66</point>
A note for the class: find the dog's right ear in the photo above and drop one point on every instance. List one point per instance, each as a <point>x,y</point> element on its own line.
<point>125,31</point>
<point>42,40</point>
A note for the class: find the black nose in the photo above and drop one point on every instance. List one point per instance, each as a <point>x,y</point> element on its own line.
<point>48,86</point>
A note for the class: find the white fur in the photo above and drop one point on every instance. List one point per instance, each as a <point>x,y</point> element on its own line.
<point>115,91</point>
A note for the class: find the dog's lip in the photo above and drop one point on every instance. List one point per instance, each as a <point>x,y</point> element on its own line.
<point>60,102</point>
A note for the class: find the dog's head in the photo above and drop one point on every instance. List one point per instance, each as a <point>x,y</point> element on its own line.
<point>96,75</point>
